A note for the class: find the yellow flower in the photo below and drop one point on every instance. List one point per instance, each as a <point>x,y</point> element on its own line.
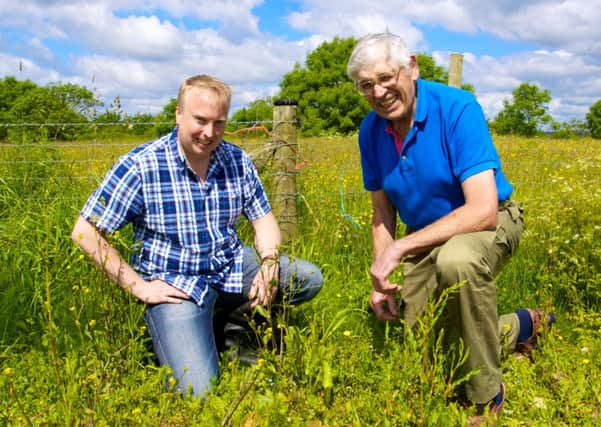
<point>347,333</point>
<point>586,361</point>
<point>539,402</point>
<point>8,371</point>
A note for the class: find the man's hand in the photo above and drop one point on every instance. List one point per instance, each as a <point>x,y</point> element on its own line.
<point>156,292</point>
<point>384,305</point>
<point>265,284</point>
<point>383,266</point>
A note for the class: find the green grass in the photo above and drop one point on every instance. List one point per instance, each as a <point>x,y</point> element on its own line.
<point>74,349</point>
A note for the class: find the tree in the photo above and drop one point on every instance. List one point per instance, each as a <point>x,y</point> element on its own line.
<point>10,90</point>
<point>593,119</point>
<point>27,104</point>
<point>165,120</point>
<point>78,98</point>
<point>526,113</point>
<point>327,99</point>
<point>40,106</point>
<point>429,70</point>
<point>258,111</point>
<point>570,129</point>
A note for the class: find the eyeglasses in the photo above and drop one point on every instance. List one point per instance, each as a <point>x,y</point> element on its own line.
<point>385,80</point>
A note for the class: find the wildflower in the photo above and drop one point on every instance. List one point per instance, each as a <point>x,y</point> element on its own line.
<point>172,383</point>
<point>260,362</point>
<point>585,361</point>
<point>92,323</point>
<point>539,403</point>
<point>8,371</point>
<point>347,333</point>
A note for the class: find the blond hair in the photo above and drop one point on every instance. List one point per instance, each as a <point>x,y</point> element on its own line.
<point>203,81</point>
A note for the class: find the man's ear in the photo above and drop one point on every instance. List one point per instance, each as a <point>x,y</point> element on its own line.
<point>413,67</point>
<point>178,113</point>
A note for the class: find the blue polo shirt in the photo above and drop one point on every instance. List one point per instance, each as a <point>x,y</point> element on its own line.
<point>448,142</point>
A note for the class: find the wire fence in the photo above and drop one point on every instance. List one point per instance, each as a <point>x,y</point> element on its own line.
<point>329,166</point>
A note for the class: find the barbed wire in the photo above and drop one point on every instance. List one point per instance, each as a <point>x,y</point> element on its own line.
<point>134,123</point>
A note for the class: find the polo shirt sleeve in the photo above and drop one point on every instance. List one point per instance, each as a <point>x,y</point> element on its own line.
<point>256,204</point>
<point>369,165</point>
<point>472,150</point>
<point>118,199</point>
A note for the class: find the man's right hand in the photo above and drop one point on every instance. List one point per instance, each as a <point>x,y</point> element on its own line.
<point>384,305</point>
<point>156,292</point>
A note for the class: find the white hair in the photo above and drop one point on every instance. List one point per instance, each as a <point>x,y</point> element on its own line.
<point>374,48</point>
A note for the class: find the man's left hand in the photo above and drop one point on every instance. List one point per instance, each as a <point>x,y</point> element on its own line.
<point>383,266</point>
<point>265,285</point>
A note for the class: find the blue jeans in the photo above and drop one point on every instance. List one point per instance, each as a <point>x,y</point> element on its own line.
<point>182,334</point>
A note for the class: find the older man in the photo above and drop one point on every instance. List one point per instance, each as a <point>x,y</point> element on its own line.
<point>426,154</point>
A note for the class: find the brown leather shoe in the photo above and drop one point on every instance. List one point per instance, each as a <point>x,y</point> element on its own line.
<point>487,414</point>
<point>524,348</point>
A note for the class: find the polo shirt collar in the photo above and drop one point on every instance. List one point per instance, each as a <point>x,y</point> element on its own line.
<point>421,107</point>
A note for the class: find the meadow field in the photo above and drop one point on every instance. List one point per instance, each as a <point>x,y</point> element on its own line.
<point>74,349</point>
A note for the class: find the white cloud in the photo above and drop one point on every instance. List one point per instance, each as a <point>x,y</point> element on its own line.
<point>142,49</point>
<point>36,49</point>
<point>572,81</point>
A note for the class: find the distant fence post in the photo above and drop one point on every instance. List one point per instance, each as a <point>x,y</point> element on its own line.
<point>455,69</point>
<point>283,198</point>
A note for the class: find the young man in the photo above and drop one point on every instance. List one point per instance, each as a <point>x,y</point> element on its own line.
<point>426,154</point>
<point>184,193</point>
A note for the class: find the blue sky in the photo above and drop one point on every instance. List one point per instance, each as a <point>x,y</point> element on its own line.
<point>140,50</point>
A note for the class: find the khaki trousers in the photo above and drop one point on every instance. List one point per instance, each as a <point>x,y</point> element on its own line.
<point>471,314</point>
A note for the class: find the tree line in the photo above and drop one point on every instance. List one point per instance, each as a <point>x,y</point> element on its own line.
<point>328,104</point>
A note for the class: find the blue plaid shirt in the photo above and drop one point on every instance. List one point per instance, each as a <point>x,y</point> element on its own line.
<point>184,229</point>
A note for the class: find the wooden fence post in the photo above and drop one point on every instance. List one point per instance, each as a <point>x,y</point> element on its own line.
<point>283,199</point>
<point>455,69</point>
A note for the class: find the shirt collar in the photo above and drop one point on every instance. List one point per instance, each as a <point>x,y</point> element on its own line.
<point>177,150</point>
<point>217,154</point>
<point>421,101</point>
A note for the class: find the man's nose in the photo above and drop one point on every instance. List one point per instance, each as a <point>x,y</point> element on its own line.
<point>379,90</point>
<point>208,130</point>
